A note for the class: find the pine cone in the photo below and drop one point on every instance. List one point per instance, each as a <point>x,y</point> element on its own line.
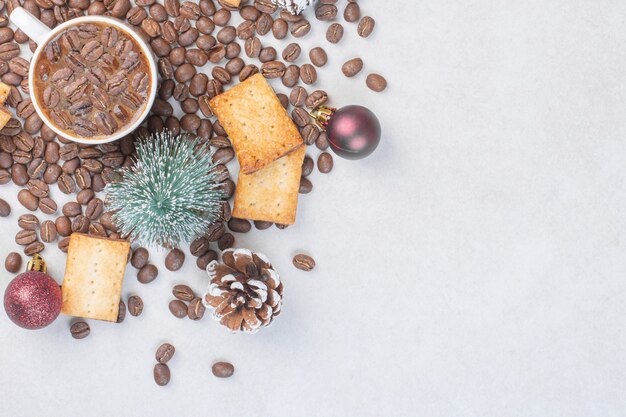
<point>245,291</point>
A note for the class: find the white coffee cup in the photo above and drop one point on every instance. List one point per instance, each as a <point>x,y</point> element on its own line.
<point>42,34</point>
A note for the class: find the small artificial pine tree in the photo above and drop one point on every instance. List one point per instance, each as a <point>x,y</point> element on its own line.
<point>170,195</point>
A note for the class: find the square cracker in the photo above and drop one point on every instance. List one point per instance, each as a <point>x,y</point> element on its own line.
<point>259,127</point>
<point>5,116</point>
<point>93,277</point>
<point>271,194</point>
<point>5,90</point>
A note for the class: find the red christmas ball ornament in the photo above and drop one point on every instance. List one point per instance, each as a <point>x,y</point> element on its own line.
<point>353,131</point>
<point>33,299</point>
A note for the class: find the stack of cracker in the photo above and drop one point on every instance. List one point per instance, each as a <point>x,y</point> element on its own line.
<point>92,286</point>
<point>5,115</point>
<point>269,148</point>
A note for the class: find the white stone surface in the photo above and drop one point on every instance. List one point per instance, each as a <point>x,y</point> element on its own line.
<point>474,266</point>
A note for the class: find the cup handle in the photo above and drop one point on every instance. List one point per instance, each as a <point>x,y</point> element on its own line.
<point>30,25</point>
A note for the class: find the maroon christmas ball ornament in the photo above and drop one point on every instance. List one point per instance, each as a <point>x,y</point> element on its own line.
<point>353,131</point>
<point>33,299</point>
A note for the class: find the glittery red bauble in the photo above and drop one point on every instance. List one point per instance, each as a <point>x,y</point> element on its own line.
<point>32,300</point>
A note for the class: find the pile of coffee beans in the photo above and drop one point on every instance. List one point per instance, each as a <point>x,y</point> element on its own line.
<point>162,374</point>
<point>186,303</point>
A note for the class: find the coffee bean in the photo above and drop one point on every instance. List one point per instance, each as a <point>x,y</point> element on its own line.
<point>318,57</point>
<point>25,237</point>
<point>178,308</point>
<point>273,69</point>
<point>190,122</point>
<point>174,260</point>
<point>38,188</point>
<point>183,292</point>
<point>28,222</point>
<point>226,35</point>
<point>47,205</point>
<point>223,155</point>
<point>161,374</point>
<point>376,82</point>
<point>300,28</point>
<point>233,50</point>
<point>79,330</point>
<point>366,26</point>
<point>325,163</point>
<point>284,100</point>
<point>239,225</point>
<point>316,99</point>
<point>196,309</point>
<point>234,66</point>
<point>121,314</point>
<point>221,17</point>
<point>199,246</point>
<point>188,37</point>
<point>352,67</point>
<point>97,229</point>
<point>139,258</point>
<point>352,12</point>
<point>249,13</point>
<point>13,262</point>
<point>280,28</point>
<point>135,305</point>
<point>5,176</point>
<point>5,208</point>
<point>52,173</point>
<point>37,168</point>
<point>262,225</point>
<point>9,50</point>
<point>203,261</point>
<point>33,248</point>
<point>48,231</point>
<point>300,117</point>
<point>226,241</point>
<point>298,96</point>
<point>228,187</point>
<point>164,353</point>
<point>106,219</point>
<point>63,226</point>
<point>97,183</point>
<point>94,209</point>
<point>28,200</point>
<point>136,15</point>
<point>253,47</point>
<point>291,76</point>
<point>215,231</point>
<point>308,74</point>
<point>80,224</point>
<point>221,75</point>
<point>291,52</point>
<point>85,196</point>
<point>147,274</point>
<point>247,72</point>
<point>326,12</point>
<point>223,369</point>
<point>196,57</point>
<point>304,262</point>
<point>72,209</point>
<point>334,33</point>
<point>264,24</point>
<point>205,25</point>
<point>64,244</point>
<point>310,132</point>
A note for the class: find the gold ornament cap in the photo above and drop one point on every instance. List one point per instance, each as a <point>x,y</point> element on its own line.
<point>37,264</point>
<point>322,115</point>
